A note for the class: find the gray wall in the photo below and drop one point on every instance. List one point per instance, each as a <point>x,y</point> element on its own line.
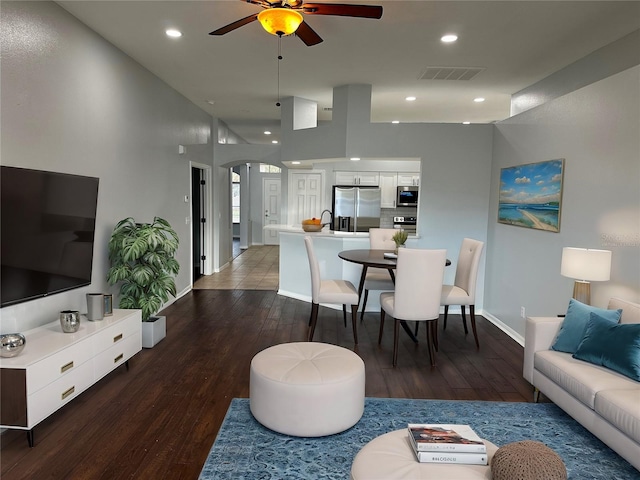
<point>73,103</point>
<point>455,167</point>
<point>595,129</point>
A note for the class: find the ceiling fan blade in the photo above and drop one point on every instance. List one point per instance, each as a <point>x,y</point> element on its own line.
<point>237,24</point>
<point>308,34</point>
<point>263,3</point>
<point>344,10</point>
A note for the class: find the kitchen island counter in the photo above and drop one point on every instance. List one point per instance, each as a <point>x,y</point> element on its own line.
<point>295,277</point>
<point>326,231</point>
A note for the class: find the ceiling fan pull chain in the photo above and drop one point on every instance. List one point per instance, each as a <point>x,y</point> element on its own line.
<point>279,58</point>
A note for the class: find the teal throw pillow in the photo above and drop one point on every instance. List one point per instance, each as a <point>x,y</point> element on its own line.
<point>575,324</point>
<point>615,346</point>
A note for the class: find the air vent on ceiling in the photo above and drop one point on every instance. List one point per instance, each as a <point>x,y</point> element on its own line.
<point>450,73</point>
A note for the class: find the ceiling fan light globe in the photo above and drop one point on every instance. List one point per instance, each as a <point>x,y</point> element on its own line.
<point>280,21</point>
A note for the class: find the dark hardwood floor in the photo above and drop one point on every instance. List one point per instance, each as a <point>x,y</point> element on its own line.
<point>159,419</point>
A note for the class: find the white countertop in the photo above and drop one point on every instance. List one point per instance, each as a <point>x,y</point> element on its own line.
<point>325,232</point>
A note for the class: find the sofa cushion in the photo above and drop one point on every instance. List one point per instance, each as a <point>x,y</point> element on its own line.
<point>575,322</point>
<point>622,409</point>
<point>615,346</point>
<point>630,310</point>
<point>581,379</point>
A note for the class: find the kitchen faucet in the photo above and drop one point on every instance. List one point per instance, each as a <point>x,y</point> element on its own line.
<point>330,217</point>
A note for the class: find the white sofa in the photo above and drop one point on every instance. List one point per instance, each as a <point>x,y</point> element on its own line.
<point>602,400</point>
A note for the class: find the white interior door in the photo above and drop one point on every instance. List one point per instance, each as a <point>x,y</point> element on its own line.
<point>305,196</point>
<point>271,198</point>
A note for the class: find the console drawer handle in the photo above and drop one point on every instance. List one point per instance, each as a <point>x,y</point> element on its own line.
<point>116,338</point>
<point>66,393</point>
<point>66,367</point>
<point>118,358</point>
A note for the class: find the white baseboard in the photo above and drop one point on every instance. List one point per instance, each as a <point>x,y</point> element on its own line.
<point>505,328</point>
<point>219,269</point>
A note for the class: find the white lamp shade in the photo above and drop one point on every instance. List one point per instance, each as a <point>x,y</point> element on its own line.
<point>586,264</point>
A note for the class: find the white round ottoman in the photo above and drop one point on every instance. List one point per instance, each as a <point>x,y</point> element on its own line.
<point>390,456</point>
<point>307,389</point>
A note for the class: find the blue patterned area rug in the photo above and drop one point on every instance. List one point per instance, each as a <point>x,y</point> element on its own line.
<point>245,450</point>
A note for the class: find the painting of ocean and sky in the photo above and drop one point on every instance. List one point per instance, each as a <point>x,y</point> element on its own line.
<point>531,195</point>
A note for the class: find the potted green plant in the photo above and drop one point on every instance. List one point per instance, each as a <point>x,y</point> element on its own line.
<point>142,258</point>
<point>400,237</point>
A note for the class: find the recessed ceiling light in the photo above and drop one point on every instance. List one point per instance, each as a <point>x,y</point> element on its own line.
<point>410,99</point>
<point>267,132</point>
<point>478,100</point>
<point>355,159</point>
<point>173,33</point>
<point>449,38</point>
<point>395,121</point>
<point>295,163</point>
<point>211,102</point>
<point>466,123</point>
<point>274,141</point>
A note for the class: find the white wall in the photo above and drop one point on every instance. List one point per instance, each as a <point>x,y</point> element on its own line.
<point>71,102</point>
<point>596,130</point>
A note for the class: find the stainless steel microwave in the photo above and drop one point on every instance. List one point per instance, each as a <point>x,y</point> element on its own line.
<point>407,197</point>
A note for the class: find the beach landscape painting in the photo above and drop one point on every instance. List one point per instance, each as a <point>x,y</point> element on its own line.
<point>531,195</point>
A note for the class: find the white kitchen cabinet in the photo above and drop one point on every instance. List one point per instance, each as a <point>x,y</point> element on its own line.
<point>56,367</point>
<point>408,179</point>
<point>357,178</point>
<point>388,189</point>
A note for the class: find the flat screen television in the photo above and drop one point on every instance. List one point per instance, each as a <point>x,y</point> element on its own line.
<point>48,224</point>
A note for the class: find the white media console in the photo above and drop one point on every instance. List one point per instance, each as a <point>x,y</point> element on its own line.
<point>56,367</point>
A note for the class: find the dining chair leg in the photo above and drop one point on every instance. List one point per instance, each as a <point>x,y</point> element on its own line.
<point>364,304</point>
<point>464,319</point>
<point>434,332</point>
<point>313,320</point>
<point>446,313</point>
<point>344,315</point>
<point>396,331</point>
<point>354,321</point>
<point>432,353</point>
<point>415,331</point>
<point>382,315</point>
<point>472,311</point>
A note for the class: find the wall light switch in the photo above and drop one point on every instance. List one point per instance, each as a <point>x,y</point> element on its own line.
<point>182,149</point>
<point>186,199</point>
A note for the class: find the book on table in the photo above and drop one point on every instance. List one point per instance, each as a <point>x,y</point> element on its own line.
<point>452,457</point>
<point>445,443</point>
<point>428,437</point>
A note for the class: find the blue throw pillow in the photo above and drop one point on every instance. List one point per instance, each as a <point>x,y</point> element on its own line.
<point>575,324</point>
<point>615,346</point>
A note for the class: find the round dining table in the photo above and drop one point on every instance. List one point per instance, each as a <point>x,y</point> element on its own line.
<point>377,259</point>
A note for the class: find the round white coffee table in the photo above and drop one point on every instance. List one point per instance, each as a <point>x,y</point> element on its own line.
<point>390,457</point>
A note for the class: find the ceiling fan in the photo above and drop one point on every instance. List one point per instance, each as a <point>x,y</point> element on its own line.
<point>284,17</point>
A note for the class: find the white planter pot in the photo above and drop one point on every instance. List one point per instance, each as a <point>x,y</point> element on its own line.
<point>153,331</point>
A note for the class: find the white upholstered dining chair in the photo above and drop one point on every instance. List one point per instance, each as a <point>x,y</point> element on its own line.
<point>463,290</point>
<point>339,292</point>
<point>419,276</point>
<point>378,278</point>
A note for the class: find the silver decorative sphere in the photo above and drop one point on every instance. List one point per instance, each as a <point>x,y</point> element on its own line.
<point>12,344</point>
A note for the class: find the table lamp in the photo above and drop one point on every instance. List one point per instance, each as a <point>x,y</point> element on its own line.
<point>585,265</point>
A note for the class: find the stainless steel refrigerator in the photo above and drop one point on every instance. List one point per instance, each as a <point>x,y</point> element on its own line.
<point>355,209</point>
